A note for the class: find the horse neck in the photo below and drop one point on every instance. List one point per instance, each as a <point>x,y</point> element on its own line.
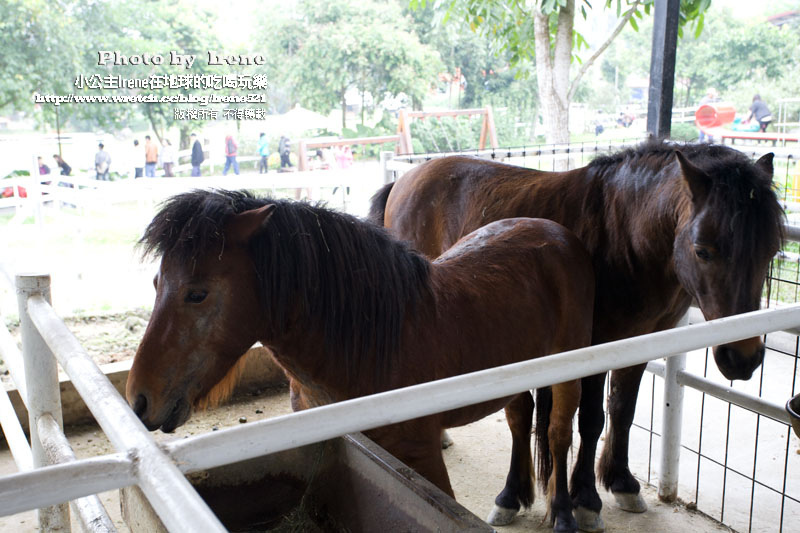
<point>643,215</point>
<point>614,217</point>
<point>345,316</point>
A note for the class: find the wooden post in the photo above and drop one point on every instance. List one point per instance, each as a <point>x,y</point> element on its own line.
<point>302,159</point>
<point>404,130</point>
<point>484,131</point>
<point>491,128</point>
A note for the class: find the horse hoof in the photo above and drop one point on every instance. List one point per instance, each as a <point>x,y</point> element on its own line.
<point>447,440</point>
<point>633,503</point>
<point>500,516</point>
<point>565,526</point>
<point>588,520</point>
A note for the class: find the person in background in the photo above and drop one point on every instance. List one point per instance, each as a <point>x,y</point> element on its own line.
<point>43,169</point>
<point>150,157</point>
<point>197,155</point>
<point>102,161</point>
<point>598,123</point>
<point>710,97</point>
<point>230,156</point>
<point>284,149</point>
<point>761,112</point>
<point>344,159</point>
<point>167,158</point>
<point>66,170</point>
<point>318,162</point>
<point>138,160</point>
<point>263,151</point>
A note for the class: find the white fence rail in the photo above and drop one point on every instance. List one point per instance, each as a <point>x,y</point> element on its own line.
<point>142,462</point>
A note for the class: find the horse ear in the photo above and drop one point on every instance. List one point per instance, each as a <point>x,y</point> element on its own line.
<point>698,181</point>
<point>765,164</point>
<point>244,226</point>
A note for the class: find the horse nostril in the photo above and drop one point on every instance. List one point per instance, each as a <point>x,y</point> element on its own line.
<point>140,405</point>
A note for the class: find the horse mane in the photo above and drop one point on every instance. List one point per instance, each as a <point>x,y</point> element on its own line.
<point>742,196</point>
<point>348,279</point>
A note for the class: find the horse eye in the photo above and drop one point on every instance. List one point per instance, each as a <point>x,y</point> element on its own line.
<point>195,297</point>
<point>702,253</point>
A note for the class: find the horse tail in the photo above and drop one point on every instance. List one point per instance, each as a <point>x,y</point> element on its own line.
<point>544,461</point>
<point>377,204</point>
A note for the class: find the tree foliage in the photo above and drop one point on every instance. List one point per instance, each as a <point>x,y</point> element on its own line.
<point>46,45</point>
<point>543,31</point>
<point>323,49</point>
<point>40,50</point>
<point>733,52</point>
<point>488,74</point>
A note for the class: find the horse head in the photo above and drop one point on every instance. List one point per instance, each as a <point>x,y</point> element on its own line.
<point>731,229</point>
<point>205,316</point>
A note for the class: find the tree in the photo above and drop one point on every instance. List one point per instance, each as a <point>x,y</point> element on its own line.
<point>160,28</point>
<point>490,80</point>
<point>40,52</point>
<point>544,30</point>
<point>733,52</point>
<point>46,45</point>
<point>325,49</point>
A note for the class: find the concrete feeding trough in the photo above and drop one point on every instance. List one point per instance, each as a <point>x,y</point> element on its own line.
<point>345,484</point>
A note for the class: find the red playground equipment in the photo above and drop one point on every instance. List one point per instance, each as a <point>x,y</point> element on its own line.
<point>715,119</point>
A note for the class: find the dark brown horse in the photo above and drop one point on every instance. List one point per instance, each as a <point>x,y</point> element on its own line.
<point>664,224</point>
<point>348,311</point>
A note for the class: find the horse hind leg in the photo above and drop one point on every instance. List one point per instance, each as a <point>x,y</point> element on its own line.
<point>566,397</point>
<point>518,490</point>
<point>583,488</point>
<point>613,468</point>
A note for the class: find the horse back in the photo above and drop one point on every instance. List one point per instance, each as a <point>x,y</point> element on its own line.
<point>513,290</point>
<point>438,202</point>
<point>532,275</point>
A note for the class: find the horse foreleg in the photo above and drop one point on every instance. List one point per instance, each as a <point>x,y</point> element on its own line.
<point>613,469</point>
<point>583,489</point>
<point>447,440</point>
<point>519,482</point>
<point>566,397</point>
<point>418,445</point>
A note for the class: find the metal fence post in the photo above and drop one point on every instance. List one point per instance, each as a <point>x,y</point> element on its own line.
<point>388,175</point>
<point>672,421</point>
<point>44,395</point>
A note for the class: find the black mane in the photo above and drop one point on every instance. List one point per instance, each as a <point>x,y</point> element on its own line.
<point>349,278</point>
<point>742,195</point>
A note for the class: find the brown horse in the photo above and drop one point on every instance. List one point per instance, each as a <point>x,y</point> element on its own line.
<point>348,311</point>
<point>664,224</point>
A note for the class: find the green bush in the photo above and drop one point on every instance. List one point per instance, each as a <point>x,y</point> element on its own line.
<point>684,132</point>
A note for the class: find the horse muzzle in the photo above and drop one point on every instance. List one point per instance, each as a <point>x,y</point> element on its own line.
<point>177,415</point>
<point>738,360</point>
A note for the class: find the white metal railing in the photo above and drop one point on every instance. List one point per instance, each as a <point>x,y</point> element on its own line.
<point>141,461</point>
<point>44,335</point>
<point>84,192</point>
